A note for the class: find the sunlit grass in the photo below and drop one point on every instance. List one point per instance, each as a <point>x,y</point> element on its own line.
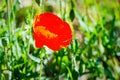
<point>94,52</point>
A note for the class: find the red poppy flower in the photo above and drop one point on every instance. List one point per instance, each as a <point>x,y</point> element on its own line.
<point>50,30</point>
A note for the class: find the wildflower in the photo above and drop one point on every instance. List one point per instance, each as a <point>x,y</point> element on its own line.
<point>50,30</point>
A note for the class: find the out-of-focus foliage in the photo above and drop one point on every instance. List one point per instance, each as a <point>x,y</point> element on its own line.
<point>94,52</point>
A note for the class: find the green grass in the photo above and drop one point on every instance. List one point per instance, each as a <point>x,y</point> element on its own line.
<point>93,54</point>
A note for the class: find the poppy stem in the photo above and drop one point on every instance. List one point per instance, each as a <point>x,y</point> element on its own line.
<point>42,52</point>
<point>40,69</point>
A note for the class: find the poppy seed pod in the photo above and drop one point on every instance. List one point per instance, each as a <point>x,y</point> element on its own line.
<point>51,31</point>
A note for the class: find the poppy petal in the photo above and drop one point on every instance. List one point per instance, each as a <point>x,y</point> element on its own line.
<point>50,30</point>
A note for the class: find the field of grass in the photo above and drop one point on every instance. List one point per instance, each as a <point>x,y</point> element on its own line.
<point>93,53</point>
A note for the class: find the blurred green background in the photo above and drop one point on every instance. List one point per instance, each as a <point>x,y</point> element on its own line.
<point>93,54</point>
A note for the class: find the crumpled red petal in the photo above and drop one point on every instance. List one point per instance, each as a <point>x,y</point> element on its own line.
<point>50,30</point>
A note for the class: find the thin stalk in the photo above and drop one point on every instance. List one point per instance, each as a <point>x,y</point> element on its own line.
<point>41,52</point>
<point>9,33</point>
<point>42,5</point>
<point>60,2</point>
<point>1,71</point>
<point>30,29</point>
<point>40,69</point>
<point>8,20</point>
<point>64,13</point>
<point>60,64</point>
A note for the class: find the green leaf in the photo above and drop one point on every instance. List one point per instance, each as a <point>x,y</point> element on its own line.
<point>4,42</point>
<point>72,15</point>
